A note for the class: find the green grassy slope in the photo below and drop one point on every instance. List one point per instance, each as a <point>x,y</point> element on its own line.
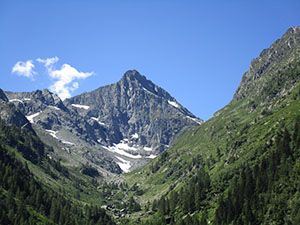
<point>242,133</point>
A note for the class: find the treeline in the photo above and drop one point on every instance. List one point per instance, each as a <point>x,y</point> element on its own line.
<point>269,191</point>
<point>25,201</point>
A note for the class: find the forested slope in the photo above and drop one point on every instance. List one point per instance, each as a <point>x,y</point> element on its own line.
<point>24,199</point>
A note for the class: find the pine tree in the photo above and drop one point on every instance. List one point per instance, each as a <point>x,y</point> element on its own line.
<point>162,206</point>
<point>204,217</point>
<point>286,143</point>
<point>220,215</point>
<point>249,183</point>
<point>247,212</point>
<point>53,214</point>
<point>173,200</point>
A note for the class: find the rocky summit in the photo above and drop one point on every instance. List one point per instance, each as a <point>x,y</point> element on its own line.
<point>269,66</point>
<point>117,127</point>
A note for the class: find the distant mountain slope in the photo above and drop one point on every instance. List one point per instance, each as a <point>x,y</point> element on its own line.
<point>65,130</point>
<point>258,131</point>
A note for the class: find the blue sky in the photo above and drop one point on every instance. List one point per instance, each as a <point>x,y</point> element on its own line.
<point>196,50</point>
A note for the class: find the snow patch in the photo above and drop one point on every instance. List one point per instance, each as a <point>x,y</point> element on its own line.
<point>53,107</point>
<point>121,149</point>
<point>175,104</point>
<point>97,119</point>
<point>136,136</point>
<point>124,164</point>
<point>151,156</point>
<point>122,152</point>
<point>67,142</point>
<point>148,91</point>
<point>16,100</point>
<point>147,149</point>
<point>123,145</point>
<point>195,119</point>
<point>52,133</point>
<point>81,106</point>
<point>30,117</point>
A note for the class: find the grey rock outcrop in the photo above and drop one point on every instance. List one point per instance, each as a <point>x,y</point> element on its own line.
<point>36,101</point>
<point>11,115</point>
<point>137,110</point>
<point>266,68</point>
<point>3,96</point>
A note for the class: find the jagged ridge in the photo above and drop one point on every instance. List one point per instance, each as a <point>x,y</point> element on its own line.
<point>270,65</point>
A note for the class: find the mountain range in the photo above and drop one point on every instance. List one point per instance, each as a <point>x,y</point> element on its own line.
<point>131,149</point>
<point>119,126</point>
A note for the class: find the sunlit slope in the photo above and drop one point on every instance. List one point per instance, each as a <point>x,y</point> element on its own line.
<point>239,134</point>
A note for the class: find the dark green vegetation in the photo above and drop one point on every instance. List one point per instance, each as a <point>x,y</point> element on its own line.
<point>24,200</point>
<point>268,191</point>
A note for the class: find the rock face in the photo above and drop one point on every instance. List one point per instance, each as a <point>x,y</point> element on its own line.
<point>266,69</point>
<point>32,102</point>
<point>3,97</point>
<point>136,110</point>
<point>10,114</point>
<point>127,123</point>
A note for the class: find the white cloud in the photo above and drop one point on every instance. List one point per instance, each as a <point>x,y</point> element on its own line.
<point>24,69</point>
<point>49,61</point>
<point>65,77</point>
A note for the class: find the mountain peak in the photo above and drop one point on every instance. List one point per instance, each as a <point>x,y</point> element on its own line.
<point>134,75</point>
<point>132,79</point>
<point>294,29</point>
<point>134,118</point>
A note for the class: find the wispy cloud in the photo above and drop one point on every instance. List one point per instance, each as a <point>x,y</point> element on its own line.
<point>24,69</point>
<point>65,77</point>
<point>48,62</point>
